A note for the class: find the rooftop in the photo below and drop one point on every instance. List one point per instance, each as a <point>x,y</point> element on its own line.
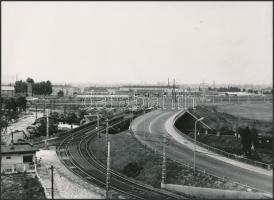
<point>5,87</point>
<point>18,148</point>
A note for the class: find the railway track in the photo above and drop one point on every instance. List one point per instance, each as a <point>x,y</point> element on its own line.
<point>75,154</point>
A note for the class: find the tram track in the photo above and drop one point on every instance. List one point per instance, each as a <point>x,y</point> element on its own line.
<point>75,154</point>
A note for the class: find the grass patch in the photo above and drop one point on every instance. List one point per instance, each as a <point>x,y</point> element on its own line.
<point>255,111</point>
<point>21,186</point>
<point>130,158</point>
<point>217,119</point>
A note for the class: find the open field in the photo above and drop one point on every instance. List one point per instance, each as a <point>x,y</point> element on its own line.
<point>257,111</point>
<point>130,158</point>
<point>21,186</point>
<point>217,118</point>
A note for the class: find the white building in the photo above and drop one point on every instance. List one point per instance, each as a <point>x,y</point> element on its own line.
<point>67,89</point>
<point>18,157</point>
<point>7,91</point>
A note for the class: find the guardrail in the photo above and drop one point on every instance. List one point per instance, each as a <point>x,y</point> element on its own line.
<point>221,152</point>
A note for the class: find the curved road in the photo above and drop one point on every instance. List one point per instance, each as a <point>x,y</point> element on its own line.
<point>150,127</point>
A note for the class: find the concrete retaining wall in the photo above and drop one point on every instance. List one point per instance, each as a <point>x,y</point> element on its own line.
<point>210,193</point>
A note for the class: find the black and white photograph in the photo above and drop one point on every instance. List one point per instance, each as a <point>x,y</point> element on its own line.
<point>136,100</point>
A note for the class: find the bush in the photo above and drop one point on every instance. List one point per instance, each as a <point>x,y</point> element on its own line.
<point>132,169</point>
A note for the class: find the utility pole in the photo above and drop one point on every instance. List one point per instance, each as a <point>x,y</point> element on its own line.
<point>178,102</point>
<point>98,132</point>
<point>107,130</point>
<point>64,109</point>
<point>163,106</point>
<point>50,106</point>
<point>44,105</point>
<point>47,128</point>
<point>36,111</point>
<point>52,191</point>
<point>185,102</point>
<point>12,141</point>
<point>173,93</point>
<point>53,105</point>
<point>164,162</point>
<point>144,125</point>
<point>108,170</point>
<point>195,124</point>
<point>131,115</point>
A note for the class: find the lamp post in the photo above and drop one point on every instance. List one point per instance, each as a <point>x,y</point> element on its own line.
<point>198,120</point>
<point>108,170</point>
<point>164,162</point>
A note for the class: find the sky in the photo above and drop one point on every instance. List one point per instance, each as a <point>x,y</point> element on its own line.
<point>137,42</point>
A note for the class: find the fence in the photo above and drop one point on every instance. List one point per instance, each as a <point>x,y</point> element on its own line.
<point>224,153</point>
<point>17,167</point>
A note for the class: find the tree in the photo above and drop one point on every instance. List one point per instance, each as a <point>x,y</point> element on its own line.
<point>82,113</point>
<point>71,118</point>
<point>254,136</point>
<point>246,139</point>
<point>30,80</point>
<point>10,104</point>
<point>36,88</point>
<point>20,87</point>
<point>48,86</point>
<point>60,93</point>
<point>43,88</point>
<point>21,102</point>
<point>55,116</point>
<point>41,129</point>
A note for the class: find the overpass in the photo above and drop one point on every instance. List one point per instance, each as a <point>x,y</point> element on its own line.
<point>152,126</point>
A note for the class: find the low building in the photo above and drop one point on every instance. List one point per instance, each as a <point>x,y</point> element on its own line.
<point>18,157</point>
<point>7,91</point>
<point>68,90</point>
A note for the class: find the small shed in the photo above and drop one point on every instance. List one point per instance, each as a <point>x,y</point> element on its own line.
<point>18,157</point>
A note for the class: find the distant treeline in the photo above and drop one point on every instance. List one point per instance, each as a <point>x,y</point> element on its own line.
<point>236,89</point>
<point>39,88</point>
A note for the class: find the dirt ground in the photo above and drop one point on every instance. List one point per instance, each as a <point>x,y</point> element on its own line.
<point>67,185</point>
